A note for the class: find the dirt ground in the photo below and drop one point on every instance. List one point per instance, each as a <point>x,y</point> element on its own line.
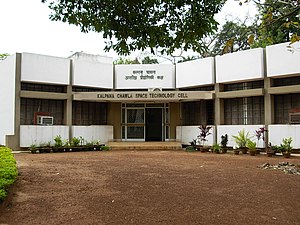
<point>152,187</point>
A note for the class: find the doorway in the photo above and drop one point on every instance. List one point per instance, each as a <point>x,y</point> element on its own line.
<point>145,122</point>
<point>154,124</point>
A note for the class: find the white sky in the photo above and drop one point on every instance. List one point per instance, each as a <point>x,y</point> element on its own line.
<point>26,27</point>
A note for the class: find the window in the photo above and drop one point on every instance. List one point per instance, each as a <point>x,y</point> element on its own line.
<point>196,113</point>
<point>204,88</point>
<point>89,113</point>
<point>87,89</point>
<point>244,111</point>
<point>283,104</point>
<point>244,86</point>
<point>43,87</point>
<point>286,81</point>
<point>30,107</point>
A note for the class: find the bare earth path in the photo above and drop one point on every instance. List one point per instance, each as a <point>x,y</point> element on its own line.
<point>152,187</point>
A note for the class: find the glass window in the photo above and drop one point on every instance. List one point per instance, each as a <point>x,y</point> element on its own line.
<point>31,107</point>
<point>135,132</point>
<point>43,87</point>
<point>89,113</point>
<point>283,104</point>
<point>135,115</point>
<point>196,113</point>
<point>244,111</point>
<point>244,85</point>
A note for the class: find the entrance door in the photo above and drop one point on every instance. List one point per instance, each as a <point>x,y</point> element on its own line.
<point>153,124</point>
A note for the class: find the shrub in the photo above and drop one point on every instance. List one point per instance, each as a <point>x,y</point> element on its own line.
<point>8,171</point>
<point>190,149</point>
<point>242,138</point>
<point>58,143</point>
<point>104,148</point>
<point>204,132</point>
<point>224,140</point>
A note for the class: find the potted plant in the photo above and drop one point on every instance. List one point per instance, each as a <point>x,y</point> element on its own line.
<point>241,140</point>
<point>236,150</point>
<point>190,148</point>
<point>104,148</point>
<point>252,147</point>
<point>286,147</point>
<point>224,141</point>
<point>261,134</point>
<point>75,142</point>
<point>58,144</point>
<point>216,148</point>
<point>67,145</point>
<point>193,144</point>
<point>33,148</point>
<point>202,137</point>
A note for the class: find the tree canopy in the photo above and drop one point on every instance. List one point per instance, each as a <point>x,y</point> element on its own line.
<point>279,21</point>
<point>3,56</point>
<point>130,25</point>
<point>144,60</point>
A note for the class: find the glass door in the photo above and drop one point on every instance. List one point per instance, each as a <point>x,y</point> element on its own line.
<point>145,122</point>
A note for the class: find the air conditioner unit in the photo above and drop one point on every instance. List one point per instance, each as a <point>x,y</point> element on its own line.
<point>294,118</point>
<point>45,120</point>
<point>154,89</point>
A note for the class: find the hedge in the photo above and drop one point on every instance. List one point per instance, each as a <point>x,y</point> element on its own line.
<point>8,171</point>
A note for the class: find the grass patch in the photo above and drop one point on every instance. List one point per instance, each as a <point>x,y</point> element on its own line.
<point>8,171</point>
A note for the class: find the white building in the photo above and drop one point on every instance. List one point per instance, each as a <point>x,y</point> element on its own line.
<point>85,95</point>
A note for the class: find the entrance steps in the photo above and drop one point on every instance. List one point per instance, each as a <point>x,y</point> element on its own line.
<point>159,146</point>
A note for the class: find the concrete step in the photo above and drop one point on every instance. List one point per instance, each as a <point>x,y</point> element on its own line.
<point>160,146</point>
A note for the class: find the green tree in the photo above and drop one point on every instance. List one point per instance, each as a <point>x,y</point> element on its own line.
<point>231,37</point>
<point>149,60</point>
<point>123,60</point>
<point>130,25</point>
<point>279,21</point>
<point>3,56</point>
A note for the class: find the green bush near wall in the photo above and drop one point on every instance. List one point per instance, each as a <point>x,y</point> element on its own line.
<point>8,171</point>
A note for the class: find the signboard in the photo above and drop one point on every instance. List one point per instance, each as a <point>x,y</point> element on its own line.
<point>144,76</point>
<point>169,96</point>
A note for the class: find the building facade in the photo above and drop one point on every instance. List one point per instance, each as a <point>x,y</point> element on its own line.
<point>88,96</point>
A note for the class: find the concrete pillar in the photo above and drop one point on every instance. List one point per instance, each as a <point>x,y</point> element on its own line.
<point>219,106</point>
<point>175,119</point>
<point>268,106</point>
<point>68,110</point>
<point>13,141</point>
<point>114,118</point>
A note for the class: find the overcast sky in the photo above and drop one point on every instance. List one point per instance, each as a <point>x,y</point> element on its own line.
<point>25,27</point>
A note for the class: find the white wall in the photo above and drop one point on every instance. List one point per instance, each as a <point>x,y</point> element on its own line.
<point>123,72</point>
<point>92,74</point>
<point>186,134</point>
<point>32,134</point>
<point>239,66</point>
<point>195,73</point>
<point>45,69</point>
<point>92,58</point>
<point>102,133</point>
<point>7,97</point>
<point>278,132</point>
<point>234,129</point>
<point>281,61</point>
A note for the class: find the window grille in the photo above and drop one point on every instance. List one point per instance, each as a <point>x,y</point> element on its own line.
<point>244,111</point>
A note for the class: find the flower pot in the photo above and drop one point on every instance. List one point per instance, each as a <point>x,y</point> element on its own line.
<point>286,154</point>
<point>224,150</point>
<point>252,152</point>
<point>244,150</point>
<point>236,151</point>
